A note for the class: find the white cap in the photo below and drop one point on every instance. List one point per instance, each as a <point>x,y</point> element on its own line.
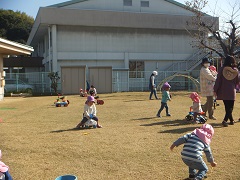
<point>155,73</point>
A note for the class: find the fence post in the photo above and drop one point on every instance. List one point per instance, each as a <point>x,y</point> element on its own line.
<point>42,82</point>
<point>17,78</point>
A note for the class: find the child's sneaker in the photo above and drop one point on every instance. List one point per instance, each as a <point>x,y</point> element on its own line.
<point>191,176</point>
<point>168,114</point>
<point>158,115</point>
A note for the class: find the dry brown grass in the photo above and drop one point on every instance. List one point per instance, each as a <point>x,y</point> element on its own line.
<point>39,143</point>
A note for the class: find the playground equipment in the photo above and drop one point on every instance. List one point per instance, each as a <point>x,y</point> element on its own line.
<point>201,119</point>
<point>100,102</point>
<point>167,79</point>
<point>61,101</point>
<point>90,123</point>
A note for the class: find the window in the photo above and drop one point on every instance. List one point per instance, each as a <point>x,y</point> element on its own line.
<point>127,2</point>
<point>136,69</point>
<point>144,3</point>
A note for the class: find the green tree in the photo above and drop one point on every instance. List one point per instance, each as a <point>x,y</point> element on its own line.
<point>54,77</point>
<point>15,26</point>
<point>224,40</point>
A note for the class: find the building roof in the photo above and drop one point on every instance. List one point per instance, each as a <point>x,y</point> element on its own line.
<point>177,3</point>
<point>66,3</point>
<point>58,15</point>
<point>13,48</point>
<point>78,1</point>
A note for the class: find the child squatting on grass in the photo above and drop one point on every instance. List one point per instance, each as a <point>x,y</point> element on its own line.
<point>90,112</point>
<point>194,143</point>
<point>4,173</point>
<point>165,97</point>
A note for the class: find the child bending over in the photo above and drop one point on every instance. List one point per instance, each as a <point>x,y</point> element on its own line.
<point>195,143</point>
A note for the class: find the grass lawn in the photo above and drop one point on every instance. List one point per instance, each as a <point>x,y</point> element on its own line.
<point>39,142</point>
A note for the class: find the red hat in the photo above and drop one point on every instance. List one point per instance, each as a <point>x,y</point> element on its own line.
<point>195,97</point>
<point>213,69</point>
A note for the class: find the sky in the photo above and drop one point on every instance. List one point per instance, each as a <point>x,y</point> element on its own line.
<point>30,7</point>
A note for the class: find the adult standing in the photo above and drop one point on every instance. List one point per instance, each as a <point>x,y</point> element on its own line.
<point>225,87</point>
<point>207,80</point>
<point>152,85</point>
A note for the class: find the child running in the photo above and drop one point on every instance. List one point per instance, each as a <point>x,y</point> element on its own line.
<point>90,112</point>
<point>194,144</point>
<point>165,97</point>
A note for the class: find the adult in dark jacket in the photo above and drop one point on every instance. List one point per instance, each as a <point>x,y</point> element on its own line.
<point>152,85</point>
<point>225,87</point>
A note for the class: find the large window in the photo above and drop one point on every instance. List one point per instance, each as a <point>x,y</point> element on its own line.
<point>127,2</point>
<point>136,69</point>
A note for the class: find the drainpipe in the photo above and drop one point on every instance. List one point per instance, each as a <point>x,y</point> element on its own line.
<point>1,78</point>
<point>49,48</point>
<point>126,60</point>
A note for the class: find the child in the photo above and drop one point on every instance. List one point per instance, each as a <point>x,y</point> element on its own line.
<point>213,70</point>
<point>82,94</point>
<point>165,97</point>
<point>89,112</point>
<point>194,143</point>
<point>4,174</point>
<point>93,92</point>
<point>196,107</point>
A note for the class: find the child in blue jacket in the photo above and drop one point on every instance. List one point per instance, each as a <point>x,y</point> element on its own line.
<point>165,97</point>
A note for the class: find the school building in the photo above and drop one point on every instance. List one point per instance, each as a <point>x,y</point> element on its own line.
<point>106,41</point>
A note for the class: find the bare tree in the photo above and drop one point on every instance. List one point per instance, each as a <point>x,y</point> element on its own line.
<point>224,40</point>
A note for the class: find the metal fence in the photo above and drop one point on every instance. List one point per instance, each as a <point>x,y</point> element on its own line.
<point>178,80</point>
<point>38,82</point>
<point>121,81</point>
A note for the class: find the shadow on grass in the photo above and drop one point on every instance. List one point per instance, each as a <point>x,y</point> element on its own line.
<point>145,118</point>
<point>180,123</point>
<point>180,130</point>
<point>177,122</point>
<point>135,100</point>
<point>64,130</point>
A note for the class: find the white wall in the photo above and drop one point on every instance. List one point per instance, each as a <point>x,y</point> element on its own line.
<point>94,46</point>
<point>93,39</point>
